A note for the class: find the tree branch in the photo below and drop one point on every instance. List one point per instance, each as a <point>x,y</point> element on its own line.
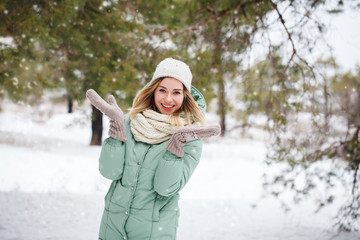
<point>214,15</point>
<point>287,31</point>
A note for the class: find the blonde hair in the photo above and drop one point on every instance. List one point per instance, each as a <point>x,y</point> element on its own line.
<point>145,100</point>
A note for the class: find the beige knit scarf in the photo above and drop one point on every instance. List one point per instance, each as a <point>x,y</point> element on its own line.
<point>152,127</point>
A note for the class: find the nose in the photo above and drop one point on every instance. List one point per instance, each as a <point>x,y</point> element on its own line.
<point>168,97</point>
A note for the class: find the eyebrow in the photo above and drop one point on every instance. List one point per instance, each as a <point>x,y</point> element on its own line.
<point>173,89</point>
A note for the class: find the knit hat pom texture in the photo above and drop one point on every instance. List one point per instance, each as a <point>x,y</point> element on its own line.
<point>170,67</point>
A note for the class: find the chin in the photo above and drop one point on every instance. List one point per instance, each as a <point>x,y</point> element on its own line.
<point>166,113</point>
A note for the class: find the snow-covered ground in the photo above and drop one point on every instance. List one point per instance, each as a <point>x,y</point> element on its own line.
<point>50,187</point>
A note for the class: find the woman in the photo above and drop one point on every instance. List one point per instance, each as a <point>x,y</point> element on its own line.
<point>151,154</point>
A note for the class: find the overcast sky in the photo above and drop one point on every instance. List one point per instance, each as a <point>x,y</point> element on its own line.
<point>344,35</point>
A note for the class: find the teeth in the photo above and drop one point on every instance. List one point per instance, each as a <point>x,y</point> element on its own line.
<point>167,106</point>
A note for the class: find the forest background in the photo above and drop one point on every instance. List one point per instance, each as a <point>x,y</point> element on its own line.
<point>251,59</point>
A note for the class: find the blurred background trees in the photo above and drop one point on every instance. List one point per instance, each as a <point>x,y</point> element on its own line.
<point>250,58</point>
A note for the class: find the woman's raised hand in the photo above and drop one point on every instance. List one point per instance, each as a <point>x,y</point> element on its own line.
<point>178,140</point>
<point>112,110</point>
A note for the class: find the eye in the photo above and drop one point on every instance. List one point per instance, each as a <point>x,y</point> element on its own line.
<point>162,90</point>
<point>177,92</point>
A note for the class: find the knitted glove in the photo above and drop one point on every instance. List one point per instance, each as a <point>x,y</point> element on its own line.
<point>178,140</point>
<point>112,110</point>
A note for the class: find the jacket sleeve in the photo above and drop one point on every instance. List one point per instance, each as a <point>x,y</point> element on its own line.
<point>173,172</point>
<point>111,161</point>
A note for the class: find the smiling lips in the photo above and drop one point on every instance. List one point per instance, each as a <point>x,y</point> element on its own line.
<point>167,107</point>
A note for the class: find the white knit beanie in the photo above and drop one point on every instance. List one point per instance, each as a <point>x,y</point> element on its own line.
<point>170,67</point>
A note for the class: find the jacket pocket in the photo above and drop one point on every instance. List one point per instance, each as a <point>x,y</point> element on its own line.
<point>164,204</point>
<point>156,211</point>
<point>109,194</point>
<point>165,219</point>
<point>159,203</point>
<point>119,198</point>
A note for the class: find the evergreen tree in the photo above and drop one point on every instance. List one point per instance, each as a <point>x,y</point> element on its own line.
<point>78,44</point>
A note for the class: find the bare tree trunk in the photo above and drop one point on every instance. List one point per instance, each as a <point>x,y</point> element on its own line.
<point>326,106</point>
<point>222,106</point>
<point>70,104</point>
<point>357,113</point>
<point>217,61</point>
<point>96,127</point>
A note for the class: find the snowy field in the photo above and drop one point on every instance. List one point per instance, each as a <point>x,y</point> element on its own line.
<point>50,187</point>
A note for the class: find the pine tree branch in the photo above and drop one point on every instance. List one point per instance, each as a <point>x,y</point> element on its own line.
<point>289,35</point>
<point>213,17</point>
<point>287,31</point>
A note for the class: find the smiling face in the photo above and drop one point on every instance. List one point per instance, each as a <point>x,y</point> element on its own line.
<point>169,95</point>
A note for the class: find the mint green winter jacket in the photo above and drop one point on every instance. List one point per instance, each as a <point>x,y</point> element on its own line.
<point>142,202</point>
